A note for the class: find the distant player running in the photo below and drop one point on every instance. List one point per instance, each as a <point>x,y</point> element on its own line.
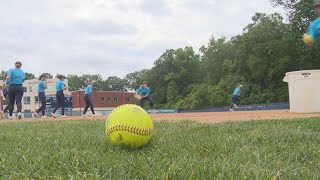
<point>144,92</point>
<point>60,87</point>
<point>15,79</point>
<point>42,85</point>
<point>235,97</point>
<point>87,98</point>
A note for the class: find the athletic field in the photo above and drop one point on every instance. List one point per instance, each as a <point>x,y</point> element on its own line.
<point>280,145</point>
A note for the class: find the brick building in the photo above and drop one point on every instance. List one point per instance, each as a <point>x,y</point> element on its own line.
<point>103,100</point>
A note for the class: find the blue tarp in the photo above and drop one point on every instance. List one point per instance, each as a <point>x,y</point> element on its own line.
<point>252,107</point>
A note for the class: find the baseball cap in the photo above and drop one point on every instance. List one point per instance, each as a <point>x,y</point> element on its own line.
<point>239,85</point>
<point>93,81</point>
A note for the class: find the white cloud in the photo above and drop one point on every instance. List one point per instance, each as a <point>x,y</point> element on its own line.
<point>112,37</point>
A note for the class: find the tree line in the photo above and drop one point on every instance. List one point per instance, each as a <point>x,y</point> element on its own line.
<point>258,58</point>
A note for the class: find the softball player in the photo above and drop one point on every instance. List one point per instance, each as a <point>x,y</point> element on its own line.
<point>42,85</point>
<point>60,87</point>
<point>15,79</point>
<point>144,91</point>
<point>87,98</point>
<point>314,28</point>
<point>236,97</point>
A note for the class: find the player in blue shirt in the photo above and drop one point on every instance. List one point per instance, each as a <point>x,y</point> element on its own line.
<point>236,97</point>
<point>60,87</point>
<point>87,98</point>
<point>42,85</point>
<point>144,92</point>
<point>15,79</point>
<point>314,28</point>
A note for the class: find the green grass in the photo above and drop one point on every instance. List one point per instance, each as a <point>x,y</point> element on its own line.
<point>179,150</point>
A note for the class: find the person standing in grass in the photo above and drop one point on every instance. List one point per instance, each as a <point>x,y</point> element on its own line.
<point>60,87</point>
<point>42,85</point>
<point>236,98</point>
<point>88,100</point>
<point>144,92</point>
<point>15,78</point>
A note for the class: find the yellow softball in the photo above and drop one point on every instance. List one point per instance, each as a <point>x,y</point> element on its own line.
<point>129,125</point>
<point>307,38</point>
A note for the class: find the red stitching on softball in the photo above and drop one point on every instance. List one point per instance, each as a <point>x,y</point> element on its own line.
<point>134,130</point>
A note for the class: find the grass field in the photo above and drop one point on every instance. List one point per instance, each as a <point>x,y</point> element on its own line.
<point>179,150</point>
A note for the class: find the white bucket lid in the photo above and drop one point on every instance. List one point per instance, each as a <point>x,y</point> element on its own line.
<point>302,71</point>
<point>288,74</point>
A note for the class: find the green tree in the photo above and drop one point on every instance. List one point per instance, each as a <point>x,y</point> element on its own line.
<point>30,76</point>
<point>3,73</point>
<point>80,82</point>
<point>264,54</point>
<point>213,57</point>
<point>115,83</point>
<point>172,94</point>
<point>48,75</point>
<point>181,66</point>
<point>300,14</point>
<point>135,79</point>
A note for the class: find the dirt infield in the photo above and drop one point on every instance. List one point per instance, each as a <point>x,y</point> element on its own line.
<point>218,117</point>
<point>212,117</point>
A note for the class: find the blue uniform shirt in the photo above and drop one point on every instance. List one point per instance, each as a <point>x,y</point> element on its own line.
<point>236,91</point>
<point>143,91</point>
<point>60,85</point>
<point>88,89</point>
<point>314,29</point>
<point>41,86</point>
<point>16,75</point>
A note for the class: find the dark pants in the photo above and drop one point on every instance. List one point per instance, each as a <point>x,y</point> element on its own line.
<point>15,96</point>
<point>6,96</point>
<point>88,101</point>
<point>43,101</point>
<point>148,98</point>
<point>61,100</point>
<point>235,101</point>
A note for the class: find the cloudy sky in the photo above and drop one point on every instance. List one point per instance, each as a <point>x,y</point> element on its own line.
<point>112,37</point>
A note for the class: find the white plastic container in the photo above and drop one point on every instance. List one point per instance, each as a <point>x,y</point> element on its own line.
<point>304,91</point>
